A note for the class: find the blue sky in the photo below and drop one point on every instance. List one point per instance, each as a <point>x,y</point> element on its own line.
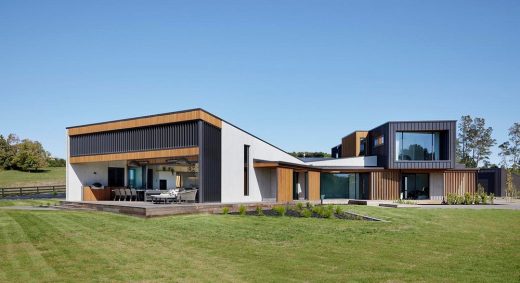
<point>300,74</point>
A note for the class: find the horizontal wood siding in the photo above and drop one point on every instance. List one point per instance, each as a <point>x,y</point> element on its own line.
<point>189,151</point>
<point>314,185</point>
<point>384,185</point>
<point>285,185</point>
<point>459,182</point>
<point>147,121</point>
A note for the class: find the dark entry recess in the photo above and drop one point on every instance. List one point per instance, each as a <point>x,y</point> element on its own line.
<point>116,177</point>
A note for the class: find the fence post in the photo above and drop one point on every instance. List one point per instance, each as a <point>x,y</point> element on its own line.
<point>37,190</point>
<point>53,189</point>
<point>21,193</point>
<point>3,195</point>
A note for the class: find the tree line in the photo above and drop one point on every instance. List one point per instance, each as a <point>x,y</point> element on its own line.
<point>475,142</point>
<point>309,154</point>
<point>25,155</point>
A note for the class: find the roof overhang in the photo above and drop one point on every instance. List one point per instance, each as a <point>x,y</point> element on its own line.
<point>167,118</point>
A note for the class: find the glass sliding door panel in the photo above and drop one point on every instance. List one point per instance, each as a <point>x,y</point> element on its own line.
<point>415,186</point>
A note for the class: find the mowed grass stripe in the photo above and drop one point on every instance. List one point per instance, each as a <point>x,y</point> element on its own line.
<point>20,252</point>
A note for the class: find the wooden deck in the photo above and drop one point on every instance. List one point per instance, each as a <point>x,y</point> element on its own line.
<point>147,209</point>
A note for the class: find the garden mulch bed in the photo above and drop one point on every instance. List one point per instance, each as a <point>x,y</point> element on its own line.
<point>346,215</point>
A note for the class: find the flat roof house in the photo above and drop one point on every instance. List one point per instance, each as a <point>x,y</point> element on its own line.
<point>195,149</point>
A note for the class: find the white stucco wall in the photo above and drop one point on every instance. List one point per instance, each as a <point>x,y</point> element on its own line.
<point>233,141</point>
<point>361,161</point>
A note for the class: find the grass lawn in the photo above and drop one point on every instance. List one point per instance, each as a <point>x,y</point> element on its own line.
<point>47,176</point>
<point>448,245</point>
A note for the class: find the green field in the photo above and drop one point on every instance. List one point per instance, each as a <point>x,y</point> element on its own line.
<point>443,245</point>
<point>47,176</point>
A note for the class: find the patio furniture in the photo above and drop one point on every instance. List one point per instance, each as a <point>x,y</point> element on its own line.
<point>187,196</point>
<point>128,194</point>
<point>133,194</point>
<point>117,194</point>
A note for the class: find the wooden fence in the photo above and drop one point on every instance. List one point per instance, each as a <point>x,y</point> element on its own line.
<point>23,191</point>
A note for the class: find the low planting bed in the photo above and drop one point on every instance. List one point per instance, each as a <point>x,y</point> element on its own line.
<point>301,211</point>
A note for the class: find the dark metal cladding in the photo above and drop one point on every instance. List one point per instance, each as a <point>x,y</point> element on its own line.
<point>168,136</point>
<point>210,162</point>
<point>386,152</point>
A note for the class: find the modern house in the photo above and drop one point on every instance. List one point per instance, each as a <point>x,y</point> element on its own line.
<point>196,149</point>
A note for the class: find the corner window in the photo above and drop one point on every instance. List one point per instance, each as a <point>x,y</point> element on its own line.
<point>246,170</point>
<point>380,140</point>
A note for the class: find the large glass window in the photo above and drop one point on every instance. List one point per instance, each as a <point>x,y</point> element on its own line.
<point>417,146</point>
<point>343,185</point>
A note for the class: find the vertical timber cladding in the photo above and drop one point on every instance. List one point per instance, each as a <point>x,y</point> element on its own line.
<point>285,184</point>
<point>314,185</point>
<point>460,182</point>
<point>210,163</point>
<point>384,185</point>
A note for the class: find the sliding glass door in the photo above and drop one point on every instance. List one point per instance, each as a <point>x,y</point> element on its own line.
<point>415,186</point>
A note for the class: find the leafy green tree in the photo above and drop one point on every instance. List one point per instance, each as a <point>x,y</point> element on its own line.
<point>474,141</point>
<point>8,151</point>
<point>56,162</point>
<point>510,150</point>
<point>30,155</point>
<point>465,137</point>
<point>481,148</point>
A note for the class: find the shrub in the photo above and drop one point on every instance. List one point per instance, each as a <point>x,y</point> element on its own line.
<point>306,213</point>
<point>225,210</point>
<point>338,210</point>
<point>280,210</point>
<point>259,211</point>
<point>492,198</point>
<point>484,198</point>
<point>327,212</point>
<point>242,210</point>
<point>476,199</point>
<point>299,206</point>
<point>309,205</point>
<point>450,199</point>
<point>318,209</point>
<point>467,198</point>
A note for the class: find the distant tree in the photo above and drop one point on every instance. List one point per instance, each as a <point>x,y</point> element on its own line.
<point>511,190</point>
<point>474,141</point>
<point>56,162</point>
<point>8,151</point>
<point>483,141</point>
<point>30,155</point>
<point>310,154</point>
<point>510,150</point>
<point>465,137</point>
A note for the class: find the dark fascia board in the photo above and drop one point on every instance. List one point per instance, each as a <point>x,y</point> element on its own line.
<point>417,121</point>
<point>305,166</point>
<point>183,111</point>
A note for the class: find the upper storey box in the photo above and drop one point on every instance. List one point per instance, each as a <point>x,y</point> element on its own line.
<point>414,145</point>
<point>404,145</point>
